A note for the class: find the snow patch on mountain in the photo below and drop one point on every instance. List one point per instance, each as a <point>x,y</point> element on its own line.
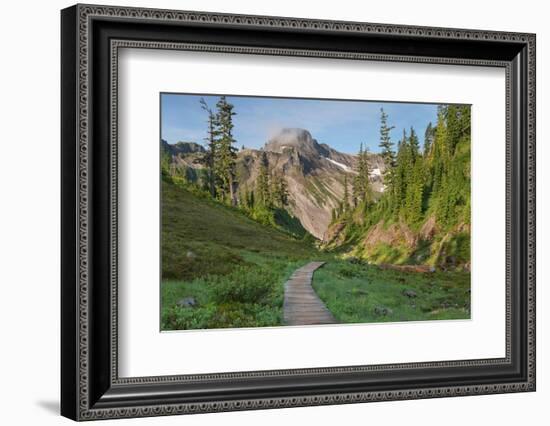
<point>376,172</point>
<point>342,166</point>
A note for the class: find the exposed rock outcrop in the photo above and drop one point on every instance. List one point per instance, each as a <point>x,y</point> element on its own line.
<point>392,235</point>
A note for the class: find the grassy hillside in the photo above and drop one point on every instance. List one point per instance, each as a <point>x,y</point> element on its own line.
<point>358,293</point>
<point>233,267</point>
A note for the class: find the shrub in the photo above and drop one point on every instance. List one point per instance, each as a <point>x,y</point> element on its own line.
<point>245,286</point>
<point>179,318</point>
<point>349,271</point>
<point>263,215</point>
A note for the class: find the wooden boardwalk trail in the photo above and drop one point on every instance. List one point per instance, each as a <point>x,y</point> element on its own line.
<point>302,306</point>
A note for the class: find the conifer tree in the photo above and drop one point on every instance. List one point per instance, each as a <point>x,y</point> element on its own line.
<point>400,175</point>
<point>279,192</point>
<point>226,152</point>
<point>361,191</point>
<point>439,151</point>
<point>210,155</point>
<point>453,127</point>
<point>262,182</point>
<point>356,190</point>
<point>428,139</point>
<point>465,120</point>
<point>283,192</point>
<point>244,197</point>
<point>414,145</point>
<point>415,191</point>
<point>408,180</point>
<point>339,209</point>
<point>386,145</point>
<point>165,160</point>
<point>387,153</point>
<point>345,201</point>
<point>251,200</point>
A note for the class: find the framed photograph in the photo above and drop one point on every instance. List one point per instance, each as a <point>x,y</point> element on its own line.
<point>263,212</point>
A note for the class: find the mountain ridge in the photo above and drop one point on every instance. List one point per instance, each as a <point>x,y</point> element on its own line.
<point>314,172</point>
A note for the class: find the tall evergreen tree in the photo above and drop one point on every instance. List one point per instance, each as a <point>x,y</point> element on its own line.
<point>165,160</point>
<point>262,182</point>
<point>465,120</point>
<point>414,145</point>
<point>386,145</point>
<point>251,199</point>
<point>429,136</point>
<point>282,192</point>
<point>439,151</point>
<point>387,152</point>
<point>400,175</point>
<point>211,141</point>
<point>243,197</point>
<point>246,197</point>
<point>345,201</point>
<point>279,191</point>
<point>454,132</point>
<point>226,152</point>
<point>415,182</point>
<point>361,190</point>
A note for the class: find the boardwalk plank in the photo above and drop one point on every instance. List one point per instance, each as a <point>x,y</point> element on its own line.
<point>302,306</point>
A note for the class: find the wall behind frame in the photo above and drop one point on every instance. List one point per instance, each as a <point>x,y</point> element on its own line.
<point>29,212</point>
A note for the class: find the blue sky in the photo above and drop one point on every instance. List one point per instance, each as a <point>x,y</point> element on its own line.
<point>343,125</point>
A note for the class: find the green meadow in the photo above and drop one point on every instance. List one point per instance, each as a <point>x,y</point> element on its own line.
<point>222,269</point>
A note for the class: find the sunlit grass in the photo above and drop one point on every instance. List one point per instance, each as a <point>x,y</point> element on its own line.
<point>357,293</point>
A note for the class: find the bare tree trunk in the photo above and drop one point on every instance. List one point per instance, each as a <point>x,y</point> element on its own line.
<point>211,183</point>
<point>232,191</point>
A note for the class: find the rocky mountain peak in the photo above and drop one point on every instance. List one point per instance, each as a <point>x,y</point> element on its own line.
<point>294,139</point>
<point>182,147</point>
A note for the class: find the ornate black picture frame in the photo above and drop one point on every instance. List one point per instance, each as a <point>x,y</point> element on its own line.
<point>91,36</point>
